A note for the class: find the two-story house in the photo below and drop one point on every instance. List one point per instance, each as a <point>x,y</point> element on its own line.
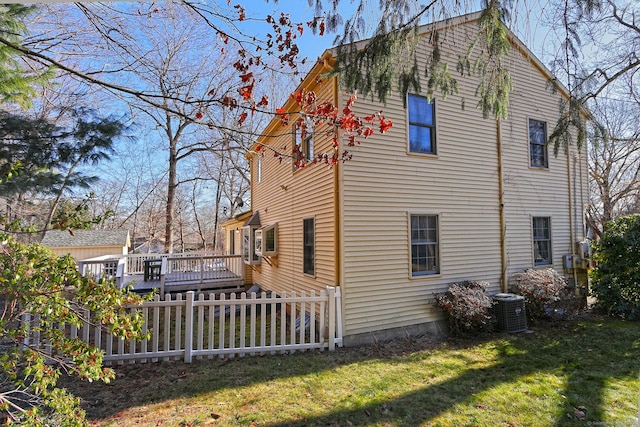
<point>444,196</point>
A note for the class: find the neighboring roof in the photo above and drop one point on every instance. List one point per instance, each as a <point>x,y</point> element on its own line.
<point>241,217</point>
<point>87,238</point>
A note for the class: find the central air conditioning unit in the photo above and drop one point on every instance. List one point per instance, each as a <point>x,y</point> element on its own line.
<point>510,312</point>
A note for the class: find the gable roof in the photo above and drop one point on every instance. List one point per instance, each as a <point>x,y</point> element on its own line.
<point>90,238</point>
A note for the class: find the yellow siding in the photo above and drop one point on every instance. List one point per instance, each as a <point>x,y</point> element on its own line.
<point>79,253</point>
<point>362,207</point>
<point>534,191</point>
<point>287,197</point>
<point>383,184</point>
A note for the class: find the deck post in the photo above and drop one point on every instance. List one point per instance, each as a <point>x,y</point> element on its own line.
<point>188,327</point>
<point>163,273</point>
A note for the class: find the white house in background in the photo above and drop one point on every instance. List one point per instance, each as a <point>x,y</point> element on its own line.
<point>444,196</point>
<point>83,244</point>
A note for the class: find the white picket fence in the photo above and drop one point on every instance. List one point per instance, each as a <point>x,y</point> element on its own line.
<point>217,325</point>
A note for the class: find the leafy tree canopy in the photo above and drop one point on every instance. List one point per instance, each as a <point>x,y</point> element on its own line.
<point>18,82</point>
<point>40,157</point>
<point>41,293</point>
<point>51,290</point>
<point>616,277</point>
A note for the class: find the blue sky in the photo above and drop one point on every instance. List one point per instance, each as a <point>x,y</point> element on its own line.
<point>530,23</point>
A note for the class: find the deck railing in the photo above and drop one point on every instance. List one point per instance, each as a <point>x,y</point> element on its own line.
<point>110,266</point>
<point>184,328</point>
<point>200,268</point>
<point>192,268</point>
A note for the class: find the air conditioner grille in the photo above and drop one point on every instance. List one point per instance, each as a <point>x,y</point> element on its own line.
<point>511,313</point>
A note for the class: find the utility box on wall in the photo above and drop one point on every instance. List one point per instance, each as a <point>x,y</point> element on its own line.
<point>511,312</point>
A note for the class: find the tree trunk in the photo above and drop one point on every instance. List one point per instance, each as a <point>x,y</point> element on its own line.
<point>171,194</point>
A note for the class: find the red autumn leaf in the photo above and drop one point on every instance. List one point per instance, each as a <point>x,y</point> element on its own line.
<point>300,29</point>
<point>246,91</point>
<point>212,92</point>
<point>367,132</point>
<point>322,28</point>
<point>242,118</point>
<point>264,101</point>
<point>280,111</point>
<point>241,12</point>
<point>199,115</point>
<point>385,124</point>
<point>224,37</point>
<point>230,102</point>
<point>310,98</point>
<point>246,77</point>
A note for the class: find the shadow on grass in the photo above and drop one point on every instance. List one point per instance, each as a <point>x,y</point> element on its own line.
<point>588,358</point>
<point>587,354</point>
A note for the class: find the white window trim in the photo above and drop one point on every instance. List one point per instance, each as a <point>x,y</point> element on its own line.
<point>315,258</point>
<point>546,146</point>
<point>268,228</point>
<point>253,257</point>
<point>434,127</point>
<point>257,241</point>
<point>533,249</point>
<point>306,144</point>
<point>438,246</point>
<point>259,168</point>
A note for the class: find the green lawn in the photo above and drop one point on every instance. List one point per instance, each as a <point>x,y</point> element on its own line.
<point>566,374</point>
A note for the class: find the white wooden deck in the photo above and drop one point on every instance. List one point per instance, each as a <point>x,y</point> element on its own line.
<point>217,281</point>
<point>178,272</point>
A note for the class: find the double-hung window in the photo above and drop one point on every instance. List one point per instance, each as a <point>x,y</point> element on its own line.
<point>538,155</point>
<point>541,240</point>
<point>424,245</point>
<point>309,246</point>
<point>422,130</point>
<point>303,142</point>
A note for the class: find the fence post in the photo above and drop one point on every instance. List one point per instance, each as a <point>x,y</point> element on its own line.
<point>332,317</point>
<point>338,299</point>
<point>26,320</point>
<point>188,327</point>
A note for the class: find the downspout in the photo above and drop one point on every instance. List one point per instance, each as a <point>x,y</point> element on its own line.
<point>338,223</point>
<point>571,230</point>
<point>503,226</point>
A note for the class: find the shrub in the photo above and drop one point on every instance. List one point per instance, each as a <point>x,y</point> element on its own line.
<point>541,289</point>
<point>615,281</point>
<point>467,306</point>
<point>34,280</point>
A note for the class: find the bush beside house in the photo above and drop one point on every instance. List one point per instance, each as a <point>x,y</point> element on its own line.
<point>467,306</point>
<point>615,281</point>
